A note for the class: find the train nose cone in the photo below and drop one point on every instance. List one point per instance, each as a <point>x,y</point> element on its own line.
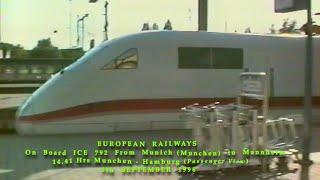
<point>26,109</point>
<point>22,126</point>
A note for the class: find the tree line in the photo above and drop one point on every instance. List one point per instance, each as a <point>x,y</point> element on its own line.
<point>43,49</point>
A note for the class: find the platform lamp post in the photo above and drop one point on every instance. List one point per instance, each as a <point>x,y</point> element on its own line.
<point>284,6</point>
<point>106,23</point>
<point>78,36</point>
<point>308,88</point>
<point>202,15</point>
<point>85,16</point>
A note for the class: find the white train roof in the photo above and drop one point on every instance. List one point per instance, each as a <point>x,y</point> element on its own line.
<point>180,35</point>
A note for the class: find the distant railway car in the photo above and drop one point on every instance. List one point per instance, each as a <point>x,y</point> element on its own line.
<point>140,81</point>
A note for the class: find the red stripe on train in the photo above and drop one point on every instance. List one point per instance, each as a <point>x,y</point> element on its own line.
<point>152,106</point>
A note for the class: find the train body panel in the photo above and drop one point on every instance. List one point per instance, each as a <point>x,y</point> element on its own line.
<point>150,72</point>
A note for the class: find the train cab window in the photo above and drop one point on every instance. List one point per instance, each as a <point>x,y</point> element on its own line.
<point>126,60</point>
<point>207,57</point>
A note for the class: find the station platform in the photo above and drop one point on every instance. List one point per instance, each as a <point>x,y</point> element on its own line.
<point>12,100</point>
<point>9,104</point>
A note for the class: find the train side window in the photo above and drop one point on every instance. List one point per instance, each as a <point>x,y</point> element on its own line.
<point>207,57</point>
<point>194,57</point>
<point>227,58</point>
<point>126,60</point>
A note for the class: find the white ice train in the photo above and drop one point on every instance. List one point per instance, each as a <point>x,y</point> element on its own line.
<point>140,81</point>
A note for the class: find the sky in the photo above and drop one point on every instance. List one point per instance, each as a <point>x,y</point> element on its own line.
<point>25,22</point>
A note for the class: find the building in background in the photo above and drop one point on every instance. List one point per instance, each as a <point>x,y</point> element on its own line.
<point>5,50</point>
